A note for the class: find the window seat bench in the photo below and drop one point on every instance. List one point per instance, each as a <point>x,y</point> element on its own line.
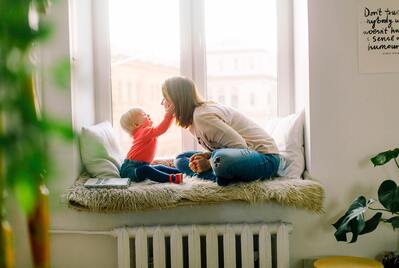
<point>299,193</point>
<point>101,156</point>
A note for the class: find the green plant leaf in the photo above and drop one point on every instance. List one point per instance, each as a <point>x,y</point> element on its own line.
<point>26,192</point>
<point>372,223</point>
<point>394,221</point>
<point>42,5</point>
<point>353,220</point>
<point>388,195</point>
<point>61,73</point>
<point>384,157</point>
<point>62,128</point>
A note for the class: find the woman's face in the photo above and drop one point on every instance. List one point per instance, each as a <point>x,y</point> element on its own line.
<point>166,101</point>
<point>166,96</point>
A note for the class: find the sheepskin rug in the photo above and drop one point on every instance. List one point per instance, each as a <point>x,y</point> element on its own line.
<point>299,193</point>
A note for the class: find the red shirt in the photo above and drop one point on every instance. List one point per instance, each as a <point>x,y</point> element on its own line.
<point>145,140</point>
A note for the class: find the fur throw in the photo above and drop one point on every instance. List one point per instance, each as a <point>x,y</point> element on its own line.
<point>299,193</point>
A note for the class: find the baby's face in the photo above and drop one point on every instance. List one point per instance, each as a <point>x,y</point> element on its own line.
<point>142,119</point>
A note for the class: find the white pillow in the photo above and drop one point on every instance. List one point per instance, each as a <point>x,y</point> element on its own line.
<point>288,134</point>
<point>100,151</point>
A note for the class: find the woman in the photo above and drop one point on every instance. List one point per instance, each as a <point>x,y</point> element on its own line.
<point>239,149</point>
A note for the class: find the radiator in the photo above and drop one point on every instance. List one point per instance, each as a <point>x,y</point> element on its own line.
<point>222,245</point>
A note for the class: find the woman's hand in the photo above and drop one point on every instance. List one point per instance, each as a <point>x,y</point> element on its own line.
<point>200,165</point>
<point>200,162</point>
<point>205,155</point>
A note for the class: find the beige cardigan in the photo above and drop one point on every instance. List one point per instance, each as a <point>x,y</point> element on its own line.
<point>217,126</point>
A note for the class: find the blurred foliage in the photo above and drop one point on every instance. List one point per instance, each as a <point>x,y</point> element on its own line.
<point>61,73</point>
<point>25,132</point>
<point>353,221</point>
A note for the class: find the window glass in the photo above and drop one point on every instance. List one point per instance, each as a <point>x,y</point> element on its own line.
<point>145,45</point>
<point>241,51</point>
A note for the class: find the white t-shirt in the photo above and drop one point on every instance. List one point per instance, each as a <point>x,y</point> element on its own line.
<point>218,126</point>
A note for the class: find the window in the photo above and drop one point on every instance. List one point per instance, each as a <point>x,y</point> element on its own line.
<point>234,101</point>
<point>248,30</point>
<point>252,100</point>
<point>141,54</point>
<point>245,60</point>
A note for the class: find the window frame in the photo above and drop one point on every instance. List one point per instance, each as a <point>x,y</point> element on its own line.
<point>192,57</point>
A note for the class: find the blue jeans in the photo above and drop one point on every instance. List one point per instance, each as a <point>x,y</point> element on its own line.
<point>233,165</point>
<point>139,171</point>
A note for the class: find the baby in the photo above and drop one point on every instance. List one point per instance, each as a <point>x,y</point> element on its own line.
<point>137,163</point>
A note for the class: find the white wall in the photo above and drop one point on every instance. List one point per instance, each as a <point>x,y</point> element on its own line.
<point>351,117</point>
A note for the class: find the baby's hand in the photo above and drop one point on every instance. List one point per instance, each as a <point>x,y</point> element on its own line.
<point>169,107</point>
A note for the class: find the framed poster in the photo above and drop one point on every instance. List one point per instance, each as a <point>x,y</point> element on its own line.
<point>378,36</point>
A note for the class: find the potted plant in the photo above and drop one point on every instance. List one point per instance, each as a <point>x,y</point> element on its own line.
<point>354,220</point>
<point>24,129</point>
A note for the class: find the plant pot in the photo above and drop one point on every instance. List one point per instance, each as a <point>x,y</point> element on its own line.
<point>7,247</point>
<point>38,223</point>
<point>390,260</point>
